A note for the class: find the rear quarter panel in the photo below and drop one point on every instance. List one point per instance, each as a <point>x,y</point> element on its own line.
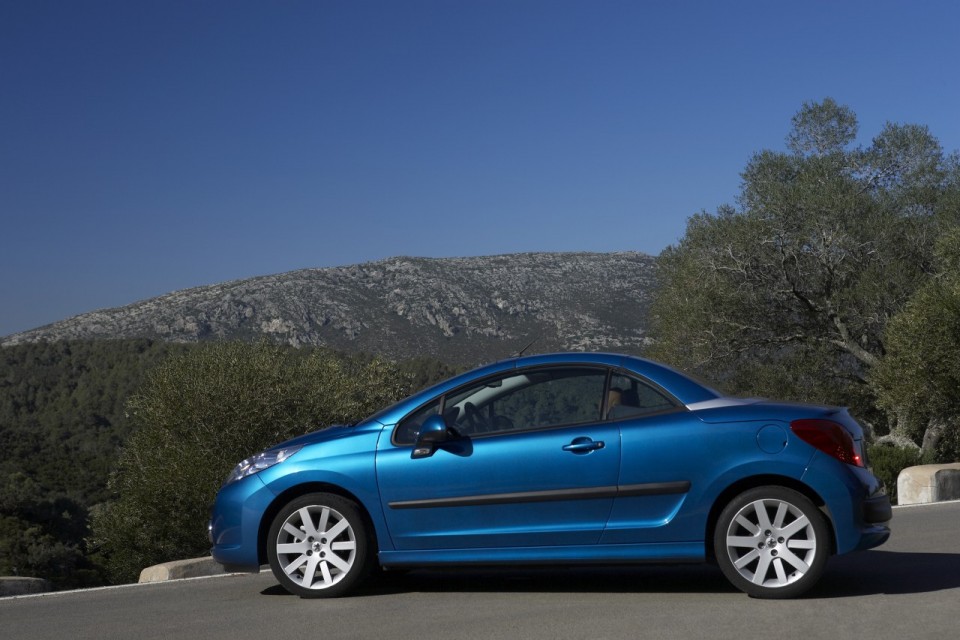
<point>711,456</point>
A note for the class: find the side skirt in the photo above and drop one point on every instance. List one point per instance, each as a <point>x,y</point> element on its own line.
<point>672,552</point>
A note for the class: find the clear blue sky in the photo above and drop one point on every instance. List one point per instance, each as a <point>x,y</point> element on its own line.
<point>149,146</point>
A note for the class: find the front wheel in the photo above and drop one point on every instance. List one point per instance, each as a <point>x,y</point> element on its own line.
<point>772,542</point>
<point>318,546</point>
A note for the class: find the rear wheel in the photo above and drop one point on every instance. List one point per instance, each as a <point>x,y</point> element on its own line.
<point>318,546</point>
<point>772,542</point>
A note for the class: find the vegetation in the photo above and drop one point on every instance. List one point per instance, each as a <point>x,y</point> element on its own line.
<point>199,414</point>
<point>888,460</point>
<point>918,380</point>
<point>64,416</point>
<point>789,294</point>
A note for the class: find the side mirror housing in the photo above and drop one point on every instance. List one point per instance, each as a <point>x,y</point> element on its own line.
<point>433,432</point>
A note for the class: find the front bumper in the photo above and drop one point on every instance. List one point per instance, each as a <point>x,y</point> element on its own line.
<point>234,527</point>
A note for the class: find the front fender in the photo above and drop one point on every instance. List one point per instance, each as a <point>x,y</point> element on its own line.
<point>345,465</point>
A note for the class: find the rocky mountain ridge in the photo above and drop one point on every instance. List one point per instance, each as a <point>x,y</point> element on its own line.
<point>459,310</point>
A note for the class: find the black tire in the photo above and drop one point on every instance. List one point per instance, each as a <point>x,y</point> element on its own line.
<point>772,542</point>
<point>319,546</point>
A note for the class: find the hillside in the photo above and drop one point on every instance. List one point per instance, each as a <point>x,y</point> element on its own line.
<point>458,310</point>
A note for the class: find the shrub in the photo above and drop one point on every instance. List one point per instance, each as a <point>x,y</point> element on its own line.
<point>888,461</point>
<point>199,414</point>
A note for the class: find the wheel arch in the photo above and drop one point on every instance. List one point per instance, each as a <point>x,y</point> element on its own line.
<point>297,491</point>
<point>752,482</point>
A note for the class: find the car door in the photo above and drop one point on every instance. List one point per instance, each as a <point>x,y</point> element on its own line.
<point>665,450</point>
<point>531,464</point>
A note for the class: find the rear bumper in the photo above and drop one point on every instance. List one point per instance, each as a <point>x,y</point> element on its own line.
<point>871,537</point>
<point>855,502</point>
<point>877,510</point>
<point>875,514</point>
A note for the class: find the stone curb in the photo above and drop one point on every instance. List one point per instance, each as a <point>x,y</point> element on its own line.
<point>929,483</point>
<point>15,586</point>
<point>179,569</point>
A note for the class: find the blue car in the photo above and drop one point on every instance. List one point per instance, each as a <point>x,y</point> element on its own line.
<point>559,459</point>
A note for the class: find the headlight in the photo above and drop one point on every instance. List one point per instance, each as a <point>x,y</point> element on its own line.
<point>259,462</point>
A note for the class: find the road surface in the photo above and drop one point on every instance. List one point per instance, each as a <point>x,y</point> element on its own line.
<point>907,589</point>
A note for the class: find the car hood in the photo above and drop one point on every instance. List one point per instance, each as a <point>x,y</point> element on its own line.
<point>321,435</point>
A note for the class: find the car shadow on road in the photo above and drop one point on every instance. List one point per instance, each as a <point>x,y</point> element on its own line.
<point>888,572</point>
<point>858,574</point>
<point>630,579</point>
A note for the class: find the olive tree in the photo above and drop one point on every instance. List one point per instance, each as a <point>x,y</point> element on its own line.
<point>789,291</point>
<point>200,413</point>
<point>918,380</point>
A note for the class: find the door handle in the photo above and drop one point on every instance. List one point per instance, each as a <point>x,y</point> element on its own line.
<point>583,445</point>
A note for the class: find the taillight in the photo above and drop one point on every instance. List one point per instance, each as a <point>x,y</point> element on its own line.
<point>829,437</point>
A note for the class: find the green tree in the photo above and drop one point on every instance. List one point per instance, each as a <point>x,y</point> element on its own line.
<point>197,415</point>
<point>788,293</point>
<point>61,423</point>
<point>918,381</point>
<point>40,533</point>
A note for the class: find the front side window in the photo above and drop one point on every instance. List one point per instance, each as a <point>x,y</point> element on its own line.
<point>534,399</point>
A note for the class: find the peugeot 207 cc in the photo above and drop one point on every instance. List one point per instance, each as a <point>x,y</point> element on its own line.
<point>559,459</point>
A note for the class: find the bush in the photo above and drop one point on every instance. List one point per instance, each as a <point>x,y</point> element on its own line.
<point>888,461</point>
<point>948,449</point>
<point>200,413</point>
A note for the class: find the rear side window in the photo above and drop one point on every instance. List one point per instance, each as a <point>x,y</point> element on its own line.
<point>629,397</point>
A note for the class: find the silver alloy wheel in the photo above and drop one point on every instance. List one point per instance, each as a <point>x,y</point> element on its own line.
<point>771,543</point>
<point>316,547</point>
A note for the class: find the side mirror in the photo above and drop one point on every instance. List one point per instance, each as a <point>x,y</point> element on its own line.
<point>432,433</point>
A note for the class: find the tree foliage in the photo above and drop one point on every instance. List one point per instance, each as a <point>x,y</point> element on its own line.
<point>62,409</point>
<point>919,379</point>
<point>788,293</point>
<point>198,415</point>
<point>39,534</point>
<point>62,419</point>
<point>822,128</point>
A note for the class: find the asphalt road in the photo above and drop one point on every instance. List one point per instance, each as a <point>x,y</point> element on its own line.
<point>907,589</point>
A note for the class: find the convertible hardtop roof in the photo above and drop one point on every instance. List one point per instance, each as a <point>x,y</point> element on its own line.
<point>683,387</point>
